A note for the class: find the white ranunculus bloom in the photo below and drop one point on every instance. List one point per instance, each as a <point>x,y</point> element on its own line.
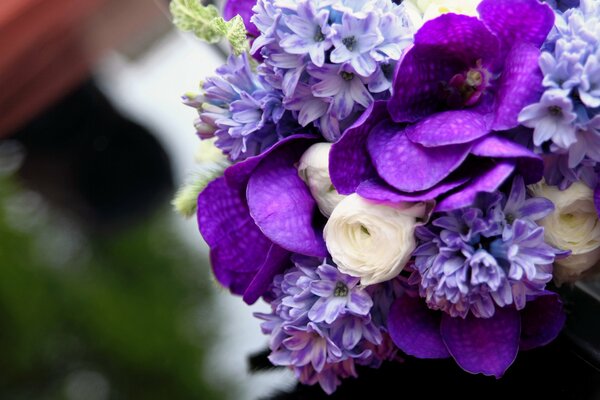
<point>574,226</point>
<point>431,9</point>
<point>372,241</point>
<point>313,168</point>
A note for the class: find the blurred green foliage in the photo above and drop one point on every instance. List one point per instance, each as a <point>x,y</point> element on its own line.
<point>122,319</point>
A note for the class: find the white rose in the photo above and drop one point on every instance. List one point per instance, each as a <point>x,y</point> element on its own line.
<point>372,241</point>
<point>431,9</point>
<point>574,226</point>
<point>313,168</point>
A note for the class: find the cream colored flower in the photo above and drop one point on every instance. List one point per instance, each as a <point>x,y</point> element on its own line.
<point>314,170</point>
<point>372,241</point>
<point>431,9</point>
<point>574,226</point>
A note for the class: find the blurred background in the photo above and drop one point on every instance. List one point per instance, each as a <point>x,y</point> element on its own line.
<point>105,293</point>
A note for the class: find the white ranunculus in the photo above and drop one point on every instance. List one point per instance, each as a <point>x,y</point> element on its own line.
<point>574,226</point>
<point>431,9</point>
<point>372,241</point>
<point>313,168</point>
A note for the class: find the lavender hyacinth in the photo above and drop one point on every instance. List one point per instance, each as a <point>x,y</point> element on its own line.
<point>321,324</point>
<point>566,120</point>
<point>240,109</point>
<point>341,50</point>
<point>489,255</point>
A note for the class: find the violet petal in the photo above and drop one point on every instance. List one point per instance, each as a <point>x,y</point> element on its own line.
<point>450,127</point>
<point>520,85</point>
<point>530,165</point>
<point>349,161</point>
<point>415,329</point>
<point>514,21</point>
<point>483,345</point>
<point>282,205</point>
<point>489,181</point>
<point>377,190</point>
<point>408,166</point>
<point>276,261</point>
<point>541,321</point>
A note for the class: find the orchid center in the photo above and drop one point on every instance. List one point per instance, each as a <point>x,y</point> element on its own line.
<point>341,290</point>
<point>465,89</point>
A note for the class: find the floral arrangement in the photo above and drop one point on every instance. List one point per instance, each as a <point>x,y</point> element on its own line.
<point>399,178</point>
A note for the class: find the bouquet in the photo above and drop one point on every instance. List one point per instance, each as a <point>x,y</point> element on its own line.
<point>399,178</point>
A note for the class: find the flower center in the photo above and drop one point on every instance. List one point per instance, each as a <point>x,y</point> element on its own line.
<point>466,89</point>
<point>555,111</point>
<point>347,76</point>
<point>319,37</point>
<point>349,42</point>
<point>341,290</point>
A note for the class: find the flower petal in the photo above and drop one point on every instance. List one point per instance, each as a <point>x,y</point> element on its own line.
<point>415,329</point>
<point>489,181</point>
<point>542,320</point>
<point>520,85</point>
<point>276,261</point>
<point>237,246</point>
<point>530,165</point>
<point>514,21</point>
<point>450,127</point>
<point>349,161</point>
<point>281,204</point>
<point>483,345</point>
<point>408,166</point>
<point>377,190</point>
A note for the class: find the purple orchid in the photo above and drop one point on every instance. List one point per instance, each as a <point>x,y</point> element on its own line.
<point>463,82</point>
<point>243,8</point>
<point>255,215</point>
<point>479,345</point>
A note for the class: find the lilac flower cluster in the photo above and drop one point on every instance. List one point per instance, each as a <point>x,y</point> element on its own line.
<point>321,324</point>
<point>330,58</point>
<point>241,110</point>
<point>489,255</point>
<point>566,120</point>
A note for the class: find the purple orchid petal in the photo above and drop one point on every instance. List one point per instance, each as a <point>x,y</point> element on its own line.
<point>416,83</point>
<point>483,345</point>
<point>276,261</point>
<point>530,165</point>
<point>541,321</point>
<point>349,161</point>
<point>377,190</point>
<point>282,205</point>
<point>489,181</point>
<point>597,198</point>
<point>408,166</point>
<point>450,127</point>
<point>514,21</point>
<point>239,173</point>
<point>520,85</point>
<point>237,246</point>
<point>415,329</point>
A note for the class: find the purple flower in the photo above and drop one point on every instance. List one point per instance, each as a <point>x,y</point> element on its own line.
<point>354,39</point>
<point>464,79</point>
<point>344,88</point>
<point>256,215</point>
<point>479,345</point>
<point>337,296</point>
<point>490,255</point>
<point>243,8</point>
<point>320,324</point>
<point>240,109</point>
<point>311,33</point>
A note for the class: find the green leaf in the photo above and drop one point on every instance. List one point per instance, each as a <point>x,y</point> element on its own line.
<point>207,24</point>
